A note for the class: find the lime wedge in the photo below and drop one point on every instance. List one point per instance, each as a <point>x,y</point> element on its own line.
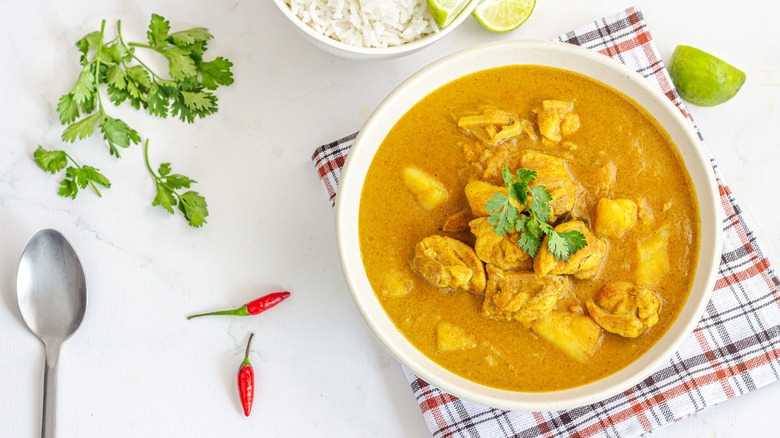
<point>503,15</point>
<point>444,11</point>
<point>703,79</point>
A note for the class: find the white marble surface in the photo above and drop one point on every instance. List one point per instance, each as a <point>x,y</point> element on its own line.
<point>137,368</point>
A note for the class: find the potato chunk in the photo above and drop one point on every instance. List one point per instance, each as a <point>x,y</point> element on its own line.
<point>624,309</point>
<point>614,217</point>
<point>429,191</point>
<point>578,336</point>
<point>397,284</point>
<point>653,258</point>
<point>449,264</point>
<point>450,337</point>
<point>501,251</point>
<point>583,264</point>
<point>521,296</point>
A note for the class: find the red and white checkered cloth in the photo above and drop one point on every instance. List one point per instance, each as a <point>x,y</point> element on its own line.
<point>735,348</point>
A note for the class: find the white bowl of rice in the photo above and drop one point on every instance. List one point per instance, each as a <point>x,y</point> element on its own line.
<point>368,29</point>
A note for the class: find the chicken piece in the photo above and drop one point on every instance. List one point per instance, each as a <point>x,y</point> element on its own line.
<point>551,116</point>
<point>458,222</point>
<point>614,217</point>
<point>478,193</point>
<point>397,284</point>
<point>521,296</point>
<point>528,128</point>
<point>624,309</point>
<point>653,258</point>
<point>450,337</point>
<point>429,191</point>
<point>578,336</point>
<point>501,251</point>
<point>449,264</point>
<point>494,164</point>
<point>583,264</point>
<point>551,173</point>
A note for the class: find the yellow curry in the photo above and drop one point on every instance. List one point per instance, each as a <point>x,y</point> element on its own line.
<point>473,299</point>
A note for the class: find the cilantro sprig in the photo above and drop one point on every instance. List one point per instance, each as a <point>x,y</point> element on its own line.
<point>76,176</point>
<point>190,203</point>
<point>112,67</point>
<point>531,222</point>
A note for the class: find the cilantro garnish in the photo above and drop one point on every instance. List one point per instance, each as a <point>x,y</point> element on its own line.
<point>76,176</point>
<point>531,223</point>
<point>190,203</point>
<point>112,67</point>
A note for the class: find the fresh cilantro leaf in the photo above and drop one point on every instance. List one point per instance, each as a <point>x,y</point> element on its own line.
<point>78,176</point>
<point>189,36</point>
<point>194,207</point>
<point>117,53</point>
<point>177,181</point>
<point>180,65</point>
<point>540,203</point>
<point>50,161</point>
<point>575,239</point>
<point>199,102</point>
<point>164,169</point>
<point>503,214</point>
<point>84,88</point>
<point>68,109</point>
<point>558,246</point>
<point>139,75</point>
<point>526,175</point>
<point>529,244</point>
<point>81,129</point>
<point>68,189</point>
<point>118,133</point>
<point>115,77</point>
<point>87,43</point>
<point>93,174</point>
<point>157,101</point>
<point>215,73</point>
<point>164,198</point>
<point>158,30</point>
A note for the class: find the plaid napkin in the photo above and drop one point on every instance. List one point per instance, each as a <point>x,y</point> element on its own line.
<point>734,349</point>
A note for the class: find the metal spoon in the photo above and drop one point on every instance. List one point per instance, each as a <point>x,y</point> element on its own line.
<point>52,296</point>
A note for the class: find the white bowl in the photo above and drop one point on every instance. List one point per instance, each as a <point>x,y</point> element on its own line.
<point>370,53</point>
<point>567,57</point>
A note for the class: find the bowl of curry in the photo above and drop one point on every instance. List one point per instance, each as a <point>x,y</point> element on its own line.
<point>529,225</point>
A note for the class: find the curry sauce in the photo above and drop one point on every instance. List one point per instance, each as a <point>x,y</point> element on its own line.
<point>616,152</point>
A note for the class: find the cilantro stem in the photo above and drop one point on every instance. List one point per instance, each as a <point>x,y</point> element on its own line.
<point>132,52</point>
<point>97,64</point>
<point>146,160</point>
<point>91,184</point>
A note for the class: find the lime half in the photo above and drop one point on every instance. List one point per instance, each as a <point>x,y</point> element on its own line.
<point>444,11</point>
<point>703,79</point>
<point>503,15</point>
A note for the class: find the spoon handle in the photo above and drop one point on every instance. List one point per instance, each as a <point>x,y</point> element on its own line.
<point>49,424</point>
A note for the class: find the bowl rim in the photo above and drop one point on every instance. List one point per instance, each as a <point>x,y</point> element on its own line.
<point>628,82</point>
<point>377,51</point>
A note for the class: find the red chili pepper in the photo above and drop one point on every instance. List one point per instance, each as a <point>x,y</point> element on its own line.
<point>246,380</point>
<point>255,307</point>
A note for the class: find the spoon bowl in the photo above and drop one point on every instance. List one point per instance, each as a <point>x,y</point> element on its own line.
<point>52,296</point>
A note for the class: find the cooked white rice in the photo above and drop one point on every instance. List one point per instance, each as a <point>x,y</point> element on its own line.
<point>367,23</point>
